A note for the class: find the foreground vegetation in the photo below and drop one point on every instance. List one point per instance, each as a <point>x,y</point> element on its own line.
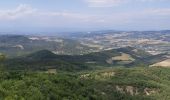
<point>107,84</point>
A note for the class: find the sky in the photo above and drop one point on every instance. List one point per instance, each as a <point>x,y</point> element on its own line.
<point>83,15</point>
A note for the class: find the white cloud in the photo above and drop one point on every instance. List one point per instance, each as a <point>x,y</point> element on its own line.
<point>104,3</point>
<point>159,11</point>
<point>26,11</point>
<point>20,11</point>
<point>26,15</point>
<point>113,3</point>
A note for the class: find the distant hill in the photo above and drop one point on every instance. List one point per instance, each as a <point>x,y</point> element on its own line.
<point>18,45</point>
<point>42,60</point>
<point>45,59</point>
<point>147,61</point>
<point>40,55</point>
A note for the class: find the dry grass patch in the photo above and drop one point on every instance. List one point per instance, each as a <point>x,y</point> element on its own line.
<point>165,63</point>
<point>123,57</point>
<point>126,58</point>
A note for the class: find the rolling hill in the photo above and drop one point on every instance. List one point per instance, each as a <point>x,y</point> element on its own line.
<point>19,45</point>
<point>45,59</point>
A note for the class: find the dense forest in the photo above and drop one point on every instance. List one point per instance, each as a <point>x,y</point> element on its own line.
<point>106,84</point>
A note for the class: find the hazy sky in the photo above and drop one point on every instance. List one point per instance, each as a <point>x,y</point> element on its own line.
<point>69,15</point>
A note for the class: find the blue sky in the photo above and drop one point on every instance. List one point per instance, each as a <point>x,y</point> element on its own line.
<point>83,15</point>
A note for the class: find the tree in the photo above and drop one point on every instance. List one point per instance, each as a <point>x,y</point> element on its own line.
<point>2,58</point>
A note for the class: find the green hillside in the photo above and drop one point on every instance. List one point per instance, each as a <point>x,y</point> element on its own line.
<point>44,60</point>
<point>107,84</point>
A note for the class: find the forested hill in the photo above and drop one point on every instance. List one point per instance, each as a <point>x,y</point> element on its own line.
<point>44,60</point>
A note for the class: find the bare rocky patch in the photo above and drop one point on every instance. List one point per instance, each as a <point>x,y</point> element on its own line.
<point>98,76</point>
<point>131,90</point>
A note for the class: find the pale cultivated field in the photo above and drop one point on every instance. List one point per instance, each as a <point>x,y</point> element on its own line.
<point>123,57</point>
<point>165,63</point>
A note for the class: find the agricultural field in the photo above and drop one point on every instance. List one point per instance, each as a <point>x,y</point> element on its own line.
<point>165,63</point>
